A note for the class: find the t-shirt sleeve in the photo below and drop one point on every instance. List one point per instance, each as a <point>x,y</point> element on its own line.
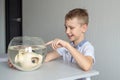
<point>89,51</point>
<point>61,51</point>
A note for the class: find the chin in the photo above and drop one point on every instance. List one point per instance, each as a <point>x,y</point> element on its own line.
<point>71,40</point>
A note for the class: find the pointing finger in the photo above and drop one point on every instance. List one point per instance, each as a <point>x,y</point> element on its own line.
<point>48,43</point>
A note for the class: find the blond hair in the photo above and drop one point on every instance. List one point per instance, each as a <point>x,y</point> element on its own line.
<point>79,13</point>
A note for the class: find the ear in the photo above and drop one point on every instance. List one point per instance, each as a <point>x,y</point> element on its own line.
<point>84,28</point>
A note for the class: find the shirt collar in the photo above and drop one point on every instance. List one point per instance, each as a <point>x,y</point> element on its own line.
<point>79,45</point>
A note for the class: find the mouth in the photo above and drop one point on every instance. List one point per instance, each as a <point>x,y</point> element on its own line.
<point>70,36</point>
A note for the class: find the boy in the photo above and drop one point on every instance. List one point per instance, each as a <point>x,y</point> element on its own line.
<point>79,50</point>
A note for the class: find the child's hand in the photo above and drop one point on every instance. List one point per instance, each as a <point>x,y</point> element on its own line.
<point>10,65</point>
<point>57,43</point>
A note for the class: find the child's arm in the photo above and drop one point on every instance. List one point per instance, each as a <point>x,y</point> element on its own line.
<point>84,62</point>
<point>51,55</point>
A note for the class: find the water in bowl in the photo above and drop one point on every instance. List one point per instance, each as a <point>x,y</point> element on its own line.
<point>27,58</point>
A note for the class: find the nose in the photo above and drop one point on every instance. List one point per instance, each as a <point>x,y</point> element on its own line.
<point>67,31</point>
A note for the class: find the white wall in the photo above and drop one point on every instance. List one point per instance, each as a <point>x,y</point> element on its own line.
<point>45,18</point>
<point>2,27</point>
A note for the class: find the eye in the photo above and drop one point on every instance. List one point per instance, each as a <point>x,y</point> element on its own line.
<point>71,27</point>
<point>34,60</point>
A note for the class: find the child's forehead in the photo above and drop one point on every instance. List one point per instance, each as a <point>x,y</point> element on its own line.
<point>73,21</point>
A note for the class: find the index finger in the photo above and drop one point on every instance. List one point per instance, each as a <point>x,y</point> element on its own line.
<point>48,43</point>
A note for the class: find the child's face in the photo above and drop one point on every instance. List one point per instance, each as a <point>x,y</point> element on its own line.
<point>75,30</point>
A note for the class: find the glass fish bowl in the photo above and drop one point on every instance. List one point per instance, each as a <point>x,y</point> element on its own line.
<point>27,53</point>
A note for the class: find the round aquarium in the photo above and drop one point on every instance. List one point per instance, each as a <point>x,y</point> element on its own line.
<point>27,53</point>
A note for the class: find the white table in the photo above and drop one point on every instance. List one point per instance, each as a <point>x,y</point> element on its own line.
<point>54,70</point>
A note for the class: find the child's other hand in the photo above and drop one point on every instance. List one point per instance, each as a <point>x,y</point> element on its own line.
<point>57,43</point>
<point>10,64</point>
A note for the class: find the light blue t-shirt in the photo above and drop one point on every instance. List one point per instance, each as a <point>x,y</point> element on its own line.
<point>85,47</point>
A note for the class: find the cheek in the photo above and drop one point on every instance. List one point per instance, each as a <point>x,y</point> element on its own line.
<point>76,32</point>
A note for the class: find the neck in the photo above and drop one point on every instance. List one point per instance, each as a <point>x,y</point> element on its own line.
<point>78,41</point>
